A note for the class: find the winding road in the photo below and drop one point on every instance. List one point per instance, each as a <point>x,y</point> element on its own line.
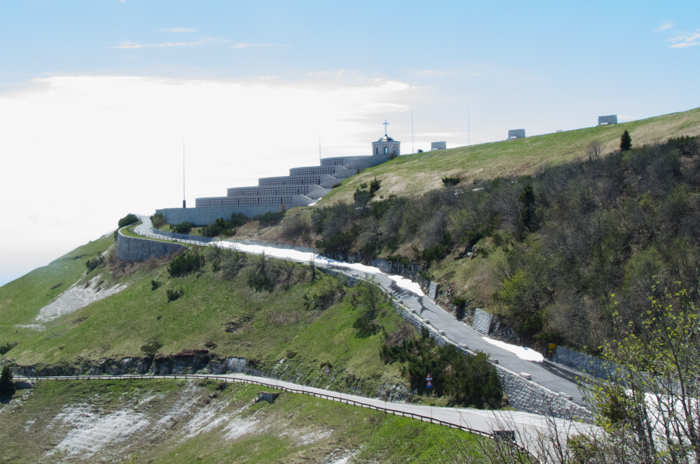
<point>555,377</point>
<point>527,427</point>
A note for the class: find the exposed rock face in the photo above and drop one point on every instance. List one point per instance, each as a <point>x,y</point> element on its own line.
<point>187,362</point>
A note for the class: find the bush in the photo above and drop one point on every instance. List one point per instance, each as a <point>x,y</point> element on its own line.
<point>337,185</point>
<point>295,227</point>
<point>92,264</point>
<point>450,181</point>
<point>185,264</point>
<point>231,263</point>
<point>262,275</point>
<point>183,228</point>
<point>174,294</point>
<point>238,219</point>
<point>270,219</point>
<point>158,221</point>
<point>151,347</point>
<point>469,380</point>
<point>327,293</point>
<point>374,186</point>
<point>337,246</point>
<point>155,285</point>
<point>7,347</point>
<point>128,220</point>
<point>7,385</point>
<point>211,230</point>
<point>435,253</point>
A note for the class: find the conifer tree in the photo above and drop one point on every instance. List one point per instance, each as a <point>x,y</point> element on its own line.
<point>625,141</point>
<point>7,386</point>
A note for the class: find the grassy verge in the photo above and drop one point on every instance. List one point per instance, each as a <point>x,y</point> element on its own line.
<point>203,421</point>
<point>416,174</point>
<point>227,317</point>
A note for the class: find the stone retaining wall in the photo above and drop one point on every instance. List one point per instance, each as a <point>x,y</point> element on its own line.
<point>433,290</point>
<point>481,322</point>
<point>587,364</point>
<point>523,395</point>
<point>140,249</point>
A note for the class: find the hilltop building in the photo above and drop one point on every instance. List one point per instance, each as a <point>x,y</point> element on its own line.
<point>606,120</point>
<point>438,146</point>
<point>303,186</point>
<point>516,134</point>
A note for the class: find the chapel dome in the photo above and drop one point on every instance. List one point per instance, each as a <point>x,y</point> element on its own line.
<point>386,138</point>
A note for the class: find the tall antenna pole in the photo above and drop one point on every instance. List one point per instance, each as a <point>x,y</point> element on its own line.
<point>319,148</point>
<point>184,204</point>
<point>412,147</point>
<point>469,132</point>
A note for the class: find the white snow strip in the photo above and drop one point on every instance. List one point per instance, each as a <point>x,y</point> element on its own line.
<point>206,419</point>
<point>90,432</point>
<point>522,352</point>
<point>281,253</point>
<point>306,257</point>
<point>313,437</point>
<point>407,284</point>
<point>239,427</point>
<point>75,298</point>
<point>37,327</point>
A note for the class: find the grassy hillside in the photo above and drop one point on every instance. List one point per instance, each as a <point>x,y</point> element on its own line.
<point>202,421</point>
<point>415,174</point>
<point>227,316</point>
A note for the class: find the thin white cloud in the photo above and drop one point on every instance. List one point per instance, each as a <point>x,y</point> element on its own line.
<point>127,44</point>
<point>436,73</point>
<point>686,39</point>
<point>179,29</point>
<point>241,45</point>
<point>666,25</point>
<point>432,72</point>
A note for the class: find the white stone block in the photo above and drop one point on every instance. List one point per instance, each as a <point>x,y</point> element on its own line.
<point>525,375</point>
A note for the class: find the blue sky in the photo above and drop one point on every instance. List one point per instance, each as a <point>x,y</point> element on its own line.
<point>94,81</point>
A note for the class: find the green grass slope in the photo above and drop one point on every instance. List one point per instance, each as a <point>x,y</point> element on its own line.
<point>269,325</point>
<point>415,174</point>
<point>203,421</point>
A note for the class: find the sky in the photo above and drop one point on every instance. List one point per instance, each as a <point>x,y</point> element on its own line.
<point>98,97</point>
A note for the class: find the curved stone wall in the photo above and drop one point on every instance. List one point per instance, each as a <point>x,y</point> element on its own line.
<point>140,249</point>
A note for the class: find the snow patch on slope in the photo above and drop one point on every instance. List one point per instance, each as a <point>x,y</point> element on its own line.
<point>91,432</point>
<point>77,297</point>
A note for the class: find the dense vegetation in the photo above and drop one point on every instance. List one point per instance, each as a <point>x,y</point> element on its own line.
<point>128,220</point>
<point>469,380</point>
<point>571,236</point>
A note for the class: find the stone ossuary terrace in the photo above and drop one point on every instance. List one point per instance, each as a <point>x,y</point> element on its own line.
<point>301,187</point>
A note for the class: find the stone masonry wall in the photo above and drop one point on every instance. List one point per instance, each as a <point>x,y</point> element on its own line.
<point>139,249</point>
<point>482,322</point>
<point>433,290</point>
<point>523,395</point>
<point>585,363</point>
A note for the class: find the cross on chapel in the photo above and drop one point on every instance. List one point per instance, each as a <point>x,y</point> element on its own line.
<point>385,124</point>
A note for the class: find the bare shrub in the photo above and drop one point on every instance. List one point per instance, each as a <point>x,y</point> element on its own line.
<point>295,227</point>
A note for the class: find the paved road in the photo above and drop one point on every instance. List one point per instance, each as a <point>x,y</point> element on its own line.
<point>526,425</point>
<point>556,377</point>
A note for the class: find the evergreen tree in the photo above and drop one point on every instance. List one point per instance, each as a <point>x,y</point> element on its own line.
<point>7,386</point>
<point>527,222</point>
<point>625,141</point>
